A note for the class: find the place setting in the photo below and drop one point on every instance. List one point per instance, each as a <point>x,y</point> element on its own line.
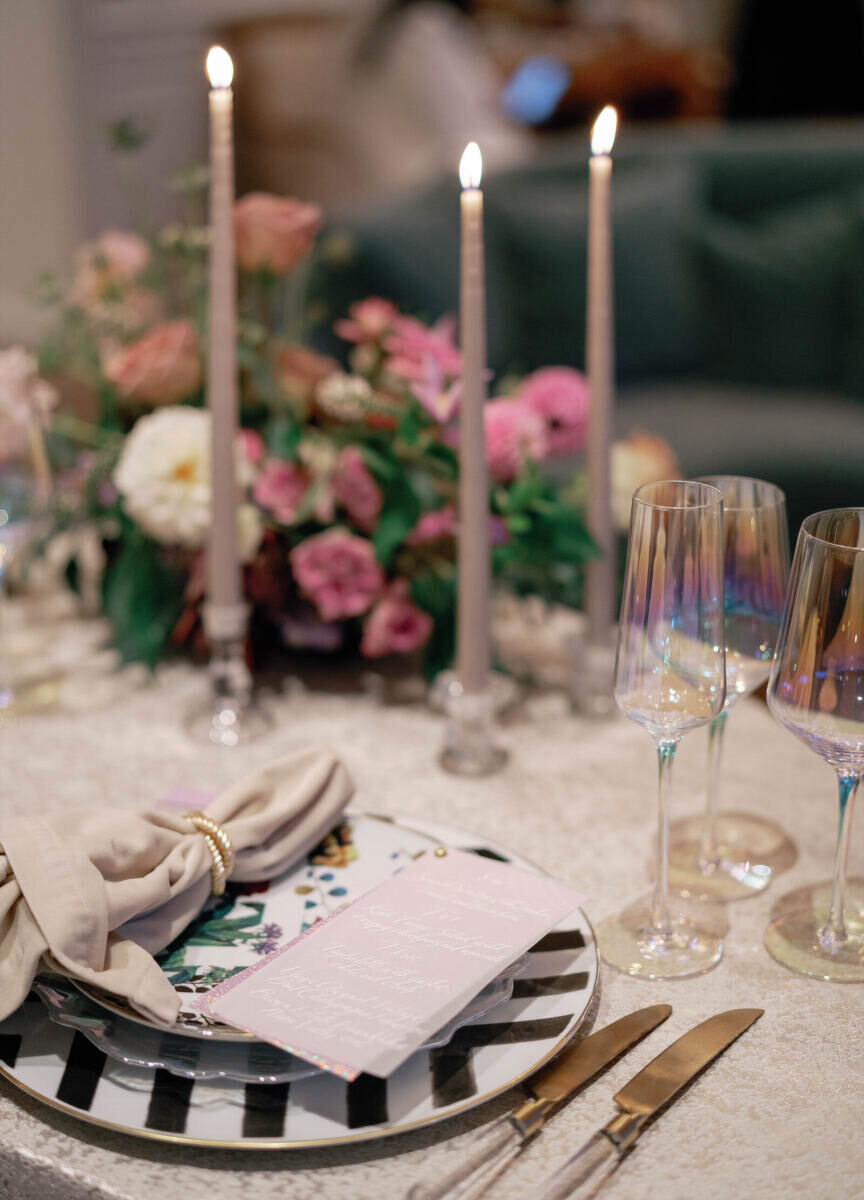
<point>380,910</point>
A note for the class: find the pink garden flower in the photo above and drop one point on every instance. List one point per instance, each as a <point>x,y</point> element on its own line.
<point>432,526</point>
<point>440,398</point>
<point>354,488</point>
<point>280,489</point>
<point>368,321</point>
<point>560,396</point>
<point>251,446</point>
<point>273,233</point>
<point>300,370</point>
<point>514,433</point>
<point>162,367</point>
<point>396,625</point>
<point>113,259</point>
<point>412,343</point>
<point>338,572</point>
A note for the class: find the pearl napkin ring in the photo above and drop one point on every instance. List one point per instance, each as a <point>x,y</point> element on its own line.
<point>219,845</point>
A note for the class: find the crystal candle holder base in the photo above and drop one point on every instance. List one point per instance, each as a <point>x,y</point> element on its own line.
<point>230,715</point>
<point>471,747</point>
<point>592,682</point>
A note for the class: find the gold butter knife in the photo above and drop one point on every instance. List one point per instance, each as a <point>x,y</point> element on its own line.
<point>499,1143</point>
<point>656,1085</point>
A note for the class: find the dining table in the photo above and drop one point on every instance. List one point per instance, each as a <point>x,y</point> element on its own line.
<point>773,1116</point>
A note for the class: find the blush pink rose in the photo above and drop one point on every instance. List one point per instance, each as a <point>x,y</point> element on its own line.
<point>115,258</point>
<point>354,488</point>
<point>432,526</point>
<point>396,625</point>
<point>280,489</point>
<point>368,321</point>
<point>162,367</point>
<point>338,572</point>
<point>560,396</point>
<point>273,233</point>
<point>514,433</point>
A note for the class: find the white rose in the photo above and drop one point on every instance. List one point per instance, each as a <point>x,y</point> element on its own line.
<point>250,530</point>
<point>642,458</point>
<point>164,475</point>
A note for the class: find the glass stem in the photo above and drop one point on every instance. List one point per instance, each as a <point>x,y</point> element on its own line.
<point>709,852</point>
<point>660,900</point>
<point>835,933</point>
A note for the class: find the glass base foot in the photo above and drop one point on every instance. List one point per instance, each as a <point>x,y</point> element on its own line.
<point>229,715</point>
<point>225,722</point>
<point>471,746</point>
<point>690,945</point>
<point>750,852</point>
<point>797,935</point>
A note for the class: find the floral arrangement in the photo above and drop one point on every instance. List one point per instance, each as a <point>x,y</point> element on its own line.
<point>348,472</point>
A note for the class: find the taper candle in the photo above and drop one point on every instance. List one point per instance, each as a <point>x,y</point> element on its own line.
<point>225,614</point>
<point>473,597</point>
<point>600,341</point>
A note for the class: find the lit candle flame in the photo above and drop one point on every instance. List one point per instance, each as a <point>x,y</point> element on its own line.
<point>603,133</point>
<point>220,68</point>
<point>471,166</point>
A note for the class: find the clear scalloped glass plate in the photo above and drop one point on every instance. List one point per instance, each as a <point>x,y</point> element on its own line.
<point>244,1062</point>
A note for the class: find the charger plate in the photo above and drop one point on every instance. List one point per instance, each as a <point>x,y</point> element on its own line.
<point>551,1000</point>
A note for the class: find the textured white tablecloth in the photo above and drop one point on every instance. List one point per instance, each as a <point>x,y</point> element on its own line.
<point>778,1115</point>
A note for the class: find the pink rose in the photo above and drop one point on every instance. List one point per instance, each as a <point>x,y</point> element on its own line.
<point>338,572</point>
<point>114,258</point>
<point>354,488</point>
<point>251,446</point>
<point>640,458</point>
<point>273,233</point>
<point>412,343</point>
<point>560,396</point>
<point>162,367</point>
<point>280,488</point>
<point>432,526</point>
<point>514,433</point>
<point>396,625</point>
<point>368,321</point>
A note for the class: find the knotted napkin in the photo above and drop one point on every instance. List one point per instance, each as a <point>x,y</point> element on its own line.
<point>95,893</point>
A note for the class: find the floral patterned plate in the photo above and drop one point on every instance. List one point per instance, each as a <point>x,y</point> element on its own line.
<point>254,919</point>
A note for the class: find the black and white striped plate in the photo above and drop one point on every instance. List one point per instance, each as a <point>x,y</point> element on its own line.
<point>550,1001</point>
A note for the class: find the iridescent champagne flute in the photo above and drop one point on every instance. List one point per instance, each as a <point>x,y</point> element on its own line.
<point>816,691</point>
<point>731,855</point>
<point>669,677</point>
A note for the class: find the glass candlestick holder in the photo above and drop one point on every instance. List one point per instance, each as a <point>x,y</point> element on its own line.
<point>471,746</point>
<point>230,714</point>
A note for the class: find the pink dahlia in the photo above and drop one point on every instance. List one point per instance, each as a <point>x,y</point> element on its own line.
<point>354,488</point>
<point>396,625</point>
<point>514,433</point>
<point>338,572</point>
<point>560,396</point>
<point>280,489</point>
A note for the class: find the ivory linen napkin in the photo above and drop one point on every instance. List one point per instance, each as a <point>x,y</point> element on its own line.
<point>95,893</point>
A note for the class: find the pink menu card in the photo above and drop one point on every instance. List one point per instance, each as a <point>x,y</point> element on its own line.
<point>362,990</point>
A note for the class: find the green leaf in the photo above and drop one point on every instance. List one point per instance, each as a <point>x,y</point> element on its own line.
<point>399,514</point>
<point>143,599</point>
<point>436,595</point>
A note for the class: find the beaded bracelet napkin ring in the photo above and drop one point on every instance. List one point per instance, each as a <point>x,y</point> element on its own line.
<point>219,845</point>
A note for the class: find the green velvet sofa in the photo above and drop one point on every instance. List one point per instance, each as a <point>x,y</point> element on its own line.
<point>739,290</point>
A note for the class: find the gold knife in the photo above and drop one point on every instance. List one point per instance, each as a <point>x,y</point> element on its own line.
<point>499,1143</point>
<point>656,1085</point>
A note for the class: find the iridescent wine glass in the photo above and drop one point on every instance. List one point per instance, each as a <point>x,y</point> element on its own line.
<point>731,855</point>
<point>816,691</point>
<point>669,677</point>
